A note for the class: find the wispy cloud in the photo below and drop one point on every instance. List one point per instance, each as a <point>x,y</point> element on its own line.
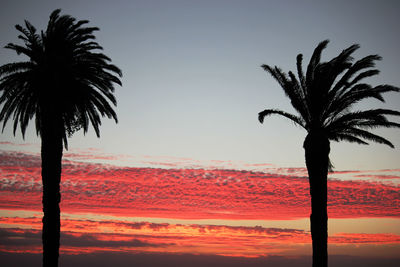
<point>12,144</point>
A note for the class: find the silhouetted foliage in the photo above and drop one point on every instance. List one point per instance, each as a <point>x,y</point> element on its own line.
<point>323,98</point>
<point>65,85</point>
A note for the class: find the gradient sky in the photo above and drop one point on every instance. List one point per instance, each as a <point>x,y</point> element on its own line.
<point>192,88</point>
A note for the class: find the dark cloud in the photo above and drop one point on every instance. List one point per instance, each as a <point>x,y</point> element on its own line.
<point>14,237</point>
<point>19,238</point>
<point>90,236</point>
<point>98,240</point>
<point>12,159</point>
<point>188,260</point>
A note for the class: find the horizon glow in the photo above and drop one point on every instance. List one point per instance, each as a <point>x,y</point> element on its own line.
<point>222,212</point>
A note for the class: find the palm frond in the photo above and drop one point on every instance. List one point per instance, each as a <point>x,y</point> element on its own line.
<point>292,89</point>
<point>314,61</point>
<point>354,95</point>
<point>347,137</point>
<point>344,82</point>
<point>362,119</point>
<point>297,120</point>
<point>363,75</point>
<point>368,136</point>
<point>83,90</point>
<point>325,95</point>
<point>15,67</point>
<point>300,73</point>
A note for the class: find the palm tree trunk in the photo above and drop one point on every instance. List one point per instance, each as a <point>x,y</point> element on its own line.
<point>51,152</point>
<point>317,149</point>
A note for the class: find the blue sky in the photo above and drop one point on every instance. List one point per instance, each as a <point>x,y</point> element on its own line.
<point>193,85</point>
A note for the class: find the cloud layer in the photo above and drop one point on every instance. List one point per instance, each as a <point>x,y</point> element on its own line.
<point>188,193</point>
<point>191,193</point>
<point>23,235</point>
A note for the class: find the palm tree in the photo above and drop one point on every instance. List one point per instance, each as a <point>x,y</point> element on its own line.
<point>323,98</point>
<point>65,85</point>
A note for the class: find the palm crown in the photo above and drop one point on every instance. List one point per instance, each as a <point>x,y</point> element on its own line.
<point>64,77</point>
<point>324,95</point>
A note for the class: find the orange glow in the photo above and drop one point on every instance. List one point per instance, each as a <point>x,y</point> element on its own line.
<point>88,236</point>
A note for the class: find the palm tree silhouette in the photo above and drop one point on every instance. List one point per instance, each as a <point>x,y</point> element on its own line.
<point>66,85</point>
<point>323,99</point>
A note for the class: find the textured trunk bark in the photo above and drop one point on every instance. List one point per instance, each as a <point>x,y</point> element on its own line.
<point>316,146</point>
<point>51,152</point>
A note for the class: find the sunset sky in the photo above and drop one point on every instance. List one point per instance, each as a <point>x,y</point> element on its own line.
<point>189,177</point>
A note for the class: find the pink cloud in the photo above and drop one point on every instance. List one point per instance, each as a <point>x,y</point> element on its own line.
<point>189,193</point>
<point>14,144</point>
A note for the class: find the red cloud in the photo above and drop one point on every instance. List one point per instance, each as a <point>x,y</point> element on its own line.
<point>88,236</point>
<point>189,193</point>
<point>349,238</point>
